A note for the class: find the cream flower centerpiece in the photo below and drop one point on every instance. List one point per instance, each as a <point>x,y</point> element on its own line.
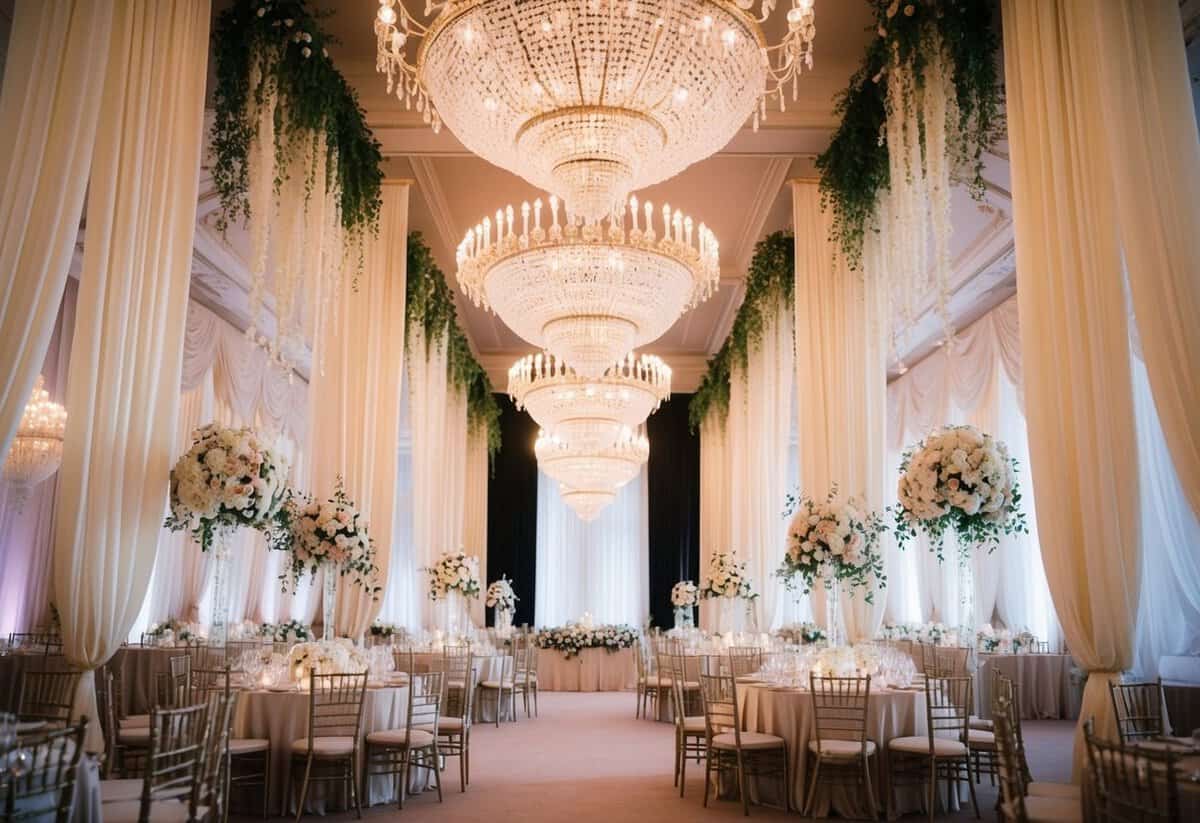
<point>502,598</point>
<point>835,540</point>
<point>685,596</point>
<point>454,572</point>
<point>338,656</point>
<point>726,577</point>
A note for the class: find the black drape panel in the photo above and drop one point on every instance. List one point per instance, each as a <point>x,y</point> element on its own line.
<point>512,508</point>
<point>673,483</point>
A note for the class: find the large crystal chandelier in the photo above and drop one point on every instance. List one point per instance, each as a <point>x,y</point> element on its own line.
<point>588,291</point>
<point>593,99</point>
<point>590,478</point>
<point>37,449</point>
<point>589,413</point>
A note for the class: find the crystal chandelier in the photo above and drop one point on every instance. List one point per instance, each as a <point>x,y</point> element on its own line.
<point>589,478</point>
<point>588,291</point>
<point>589,414</point>
<point>593,99</point>
<point>37,449</point>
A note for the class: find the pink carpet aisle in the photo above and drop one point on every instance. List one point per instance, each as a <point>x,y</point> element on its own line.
<point>587,760</point>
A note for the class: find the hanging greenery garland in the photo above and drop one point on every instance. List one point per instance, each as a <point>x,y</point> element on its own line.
<point>772,277</point>
<point>429,307</point>
<point>294,159</point>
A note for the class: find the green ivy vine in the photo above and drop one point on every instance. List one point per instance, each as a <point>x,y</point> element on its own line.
<point>429,307</point>
<point>854,169</point>
<point>771,278</point>
<point>287,40</point>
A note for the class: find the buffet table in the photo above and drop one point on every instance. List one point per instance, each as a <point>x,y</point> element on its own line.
<point>1044,681</point>
<point>592,670</point>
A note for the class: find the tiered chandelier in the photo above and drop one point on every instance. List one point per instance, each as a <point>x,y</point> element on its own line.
<point>37,449</point>
<point>593,99</point>
<point>589,479</point>
<point>588,291</point>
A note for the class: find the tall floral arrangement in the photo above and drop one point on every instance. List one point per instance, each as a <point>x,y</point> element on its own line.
<point>229,477</point>
<point>962,480</point>
<point>454,571</point>
<point>834,540</point>
<point>685,594</point>
<point>316,532</point>
<point>726,577</point>
<point>500,595</point>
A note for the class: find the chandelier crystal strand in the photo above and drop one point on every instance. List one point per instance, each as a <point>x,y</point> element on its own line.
<point>591,100</point>
<point>37,448</point>
<point>590,292</point>
<point>590,414</point>
<point>590,478</point>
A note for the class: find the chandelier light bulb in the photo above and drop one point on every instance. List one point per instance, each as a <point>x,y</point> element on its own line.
<point>37,449</point>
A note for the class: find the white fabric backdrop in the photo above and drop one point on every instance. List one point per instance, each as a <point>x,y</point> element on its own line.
<point>475,511</point>
<point>123,389</point>
<point>602,566</point>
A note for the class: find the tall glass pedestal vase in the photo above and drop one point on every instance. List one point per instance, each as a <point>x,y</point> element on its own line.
<point>684,618</point>
<point>329,576</point>
<point>966,597</point>
<point>731,615</point>
<point>220,547</point>
<point>504,622</point>
<point>834,634</point>
<point>454,619</point>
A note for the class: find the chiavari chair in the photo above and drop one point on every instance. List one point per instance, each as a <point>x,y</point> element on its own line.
<point>522,644</point>
<point>643,678</point>
<point>45,789</point>
<point>1016,803</point>
<point>454,721</point>
<point>402,660</point>
<point>399,751</point>
<point>1130,784</point>
<point>527,678</point>
<point>941,754</point>
<point>46,698</point>
<point>949,661</point>
<point>747,754</point>
<point>495,689</point>
<point>840,745</point>
<point>1005,689</point>
<point>330,750</point>
<point>44,642</point>
<point>744,660</point>
<point>687,710</point>
<point>247,759</point>
<point>1138,708</point>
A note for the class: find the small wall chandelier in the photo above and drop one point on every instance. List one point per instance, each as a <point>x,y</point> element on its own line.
<point>590,478</point>
<point>37,449</point>
<point>593,99</point>
<point>588,291</point>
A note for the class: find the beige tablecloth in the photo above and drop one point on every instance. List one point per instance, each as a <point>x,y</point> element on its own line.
<point>592,670</point>
<point>788,713</point>
<point>1044,681</point>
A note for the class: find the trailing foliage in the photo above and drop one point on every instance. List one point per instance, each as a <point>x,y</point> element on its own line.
<point>772,277</point>
<point>429,306</point>
<point>854,169</point>
<point>261,45</point>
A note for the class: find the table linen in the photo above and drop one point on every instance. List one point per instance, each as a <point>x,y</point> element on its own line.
<point>1044,681</point>
<point>592,670</point>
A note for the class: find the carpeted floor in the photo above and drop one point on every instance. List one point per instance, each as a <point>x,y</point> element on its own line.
<point>587,760</point>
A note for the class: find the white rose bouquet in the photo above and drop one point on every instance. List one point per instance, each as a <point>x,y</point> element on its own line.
<point>726,577</point>
<point>228,477</point>
<point>500,595</point>
<point>329,531</point>
<point>573,638</point>
<point>338,656</point>
<point>174,631</point>
<point>961,479</point>
<point>896,631</point>
<point>454,571</point>
<point>836,540</point>
<point>801,633</point>
<point>685,594</point>
<point>291,631</point>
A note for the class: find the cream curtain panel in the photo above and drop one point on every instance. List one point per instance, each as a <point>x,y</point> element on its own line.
<point>123,390</point>
<point>841,379</point>
<point>715,502</point>
<point>355,398</point>
<point>49,107</point>
<point>475,509</point>
<point>1074,335</point>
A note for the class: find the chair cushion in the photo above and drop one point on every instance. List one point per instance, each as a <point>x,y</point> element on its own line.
<point>445,725</point>
<point>750,740</point>
<point>943,747</point>
<point>840,748</point>
<point>979,739</point>
<point>325,746</point>
<point>138,736</point>
<point>248,745</point>
<point>1067,790</point>
<point>116,791</point>
<point>401,738</point>
<point>694,725</point>
<point>980,723</point>
<point>1038,809</point>
<point>496,684</point>
<point>161,811</point>
<point>658,680</point>
<point>134,721</point>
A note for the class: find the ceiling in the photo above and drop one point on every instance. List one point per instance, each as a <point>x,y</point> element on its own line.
<point>740,192</point>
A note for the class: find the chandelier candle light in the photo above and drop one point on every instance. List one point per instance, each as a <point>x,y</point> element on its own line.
<point>589,291</point>
<point>592,100</point>
<point>590,478</point>
<point>37,448</point>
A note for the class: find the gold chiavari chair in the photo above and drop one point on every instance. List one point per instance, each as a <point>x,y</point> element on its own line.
<point>1015,804</point>
<point>840,746</point>
<point>714,664</point>
<point>236,649</point>
<point>496,689</point>
<point>247,759</point>
<point>1004,689</point>
<point>521,645</point>
<point>1138,710</point>
<point>209,658</point>
<point>46,698</point>
<point>643,678</point>
<point>744,660</point>
<point>942,753</point>
<point>44,642</point>
<point>949,661</point>
<point>330,751</point>
<point>1130,784</point>
<point>527,677</point>
<point>210,799</point>
<point>688,713</point>
<point>402,660</point>
<point>729,749</point>
<point>454,722</point>
<point>399,751</point>
<point>45,788</point>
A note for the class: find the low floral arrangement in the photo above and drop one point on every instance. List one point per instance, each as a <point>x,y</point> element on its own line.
<point>333,531</point>
<point>987,639</point>
<point>574,638</point>
<point>685,594</point>
<point>933,633</point>
<point>800,633</point>
<point>290,632</point>
<point>382,629</point>
<point>834,540</point>
<point>897,631</point>
<point>500,595</point>
<point>726,577</point>
<point>229,477</point>
<point>454,571</point>
<point>174,631</point>
<point>1025,641</point>
<point>338,656</point>
<point>963,480</point>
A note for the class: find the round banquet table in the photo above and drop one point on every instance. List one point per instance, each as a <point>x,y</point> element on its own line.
<point>282,717</point>
<point>1044,681</point>
<point>133,666</point>
<point>592,670</point>
<point>487,667</point>
<point>788,713</point>
<point>85,800</point>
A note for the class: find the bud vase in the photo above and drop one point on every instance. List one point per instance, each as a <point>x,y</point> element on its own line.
<point>220,548</point>
<point>329,599</point>
<point>833,613</point>
<point>684,617</point>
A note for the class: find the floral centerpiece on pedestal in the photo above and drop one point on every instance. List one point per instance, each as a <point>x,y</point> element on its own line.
<point>338,656</point>
<point>801,633</point>
<point>574,638</point>
<point>502,598</point>
<point>174,631</point>
<point>454,579</point>
<point>726,582</point>
<point>291,631</point>
<point>685,596</point>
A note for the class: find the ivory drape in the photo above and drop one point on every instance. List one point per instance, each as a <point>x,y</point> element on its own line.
<point>123,390</point>
<point>355,398</point>
<point>475,508</point>
<point>49,107</point>
<point>1074,337</point>
<point>841,380</point>
<point>715,500</point>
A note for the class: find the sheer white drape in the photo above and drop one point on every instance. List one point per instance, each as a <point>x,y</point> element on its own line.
<point>602,567</point>
<point>123,390</point>
<point>403,595</point>
<point>49,107</point>
<point>475,509</point>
